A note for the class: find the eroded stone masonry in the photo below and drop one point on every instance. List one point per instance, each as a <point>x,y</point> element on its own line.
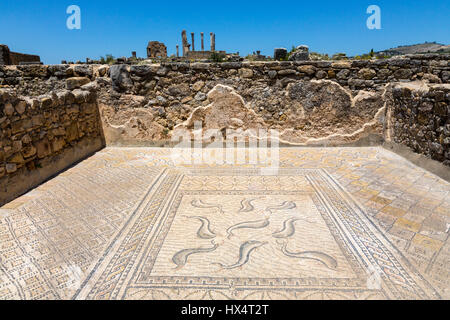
<point>42,135</point>
<point>57,108</point>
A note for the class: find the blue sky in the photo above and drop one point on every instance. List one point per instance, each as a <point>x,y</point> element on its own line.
<point>119,27</point>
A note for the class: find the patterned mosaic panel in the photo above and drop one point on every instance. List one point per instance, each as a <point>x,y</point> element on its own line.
<point>227,233</point>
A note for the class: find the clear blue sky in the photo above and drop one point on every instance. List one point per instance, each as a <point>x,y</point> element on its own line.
<point>119,27</point>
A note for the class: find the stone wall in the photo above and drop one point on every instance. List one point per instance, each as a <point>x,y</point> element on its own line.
<point>16,58</point>
<point>354,75</point>
<point>420,119</point>
<point>43,135</point>
<point>324,103</point>
<point>310,103</point>
<point>8,57</point>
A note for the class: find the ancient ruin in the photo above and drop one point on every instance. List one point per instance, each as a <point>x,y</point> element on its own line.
<point>99,201</point>
<point>189,51</point>
<point>8,57</point>
<point>280,54</point>
<point>156,49</point>
<point>301,53</point>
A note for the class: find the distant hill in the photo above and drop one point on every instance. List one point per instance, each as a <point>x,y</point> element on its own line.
<point>427,47</point>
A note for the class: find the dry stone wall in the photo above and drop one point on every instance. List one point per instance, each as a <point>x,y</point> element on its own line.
<point>42,135</point>
<point>420,119</point>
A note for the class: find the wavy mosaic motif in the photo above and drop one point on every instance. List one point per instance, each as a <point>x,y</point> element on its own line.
<point>244,254</point>
<point>247,206</point>
<point>287,205</point>
<point>259,224</point>
<point>325,259</point>
<point>181,257</point>
<point>204,232</point>
<point>202,205</point>
<point>288,229</point>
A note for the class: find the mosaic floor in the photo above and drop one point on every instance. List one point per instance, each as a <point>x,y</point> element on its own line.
<point>331,223</point>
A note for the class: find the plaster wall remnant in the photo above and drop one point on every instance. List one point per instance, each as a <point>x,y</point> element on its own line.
<point>156,49</point>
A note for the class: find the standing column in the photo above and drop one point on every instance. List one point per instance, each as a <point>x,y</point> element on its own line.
<point>213,41</point>
<point>178,51</point>
<point>203,43</point>
<point>185,43</point>
<point>193,46</point>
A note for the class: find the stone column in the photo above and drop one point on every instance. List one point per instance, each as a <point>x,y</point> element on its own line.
<point>4,55</point>
<point>193,45</point>
<point>178,51</point>
<point>203,42</point>
<point>185,43</point>
<point>213,41</point>
<point>133,54</point>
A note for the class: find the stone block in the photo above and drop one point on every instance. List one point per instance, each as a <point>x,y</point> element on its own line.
<point>280,54</point>
<point>9,109</point>
<point>198,85</point>
<point>286,72</point>
<point>301,53</point>
<point>58,144</point>
<point>403,74</point>
<point>21,106</point>
<point>272,74</point>
<point>245,73</point>
<point>72,132</point>
<point>11,167</point>
<point>43,148</point>
<point>341,65</point>
<point>76,82</point>
<point>120,77</point>
<point>37,120</point>
<point>83,70</point>
<point>367,73</point>
<point>46,102</point>
<point>29,151</point>
<point>16,158</point>
<point>308,69</point>
<point>21,126</point>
